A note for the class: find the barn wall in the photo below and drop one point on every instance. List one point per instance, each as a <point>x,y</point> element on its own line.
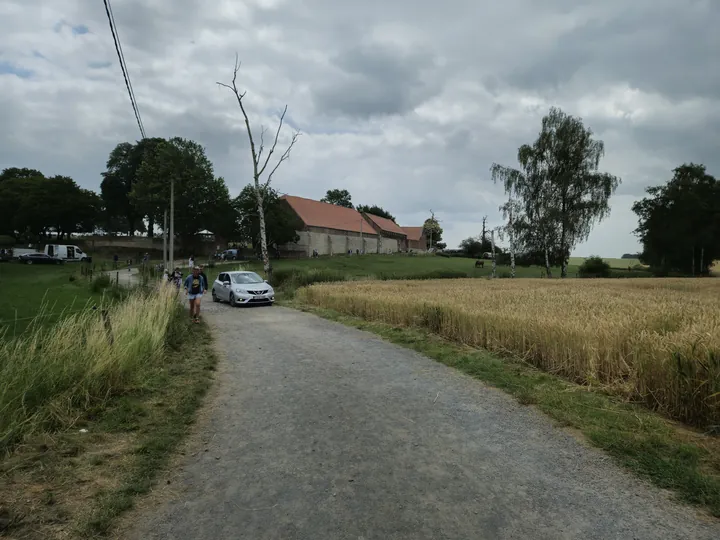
<point>332,242</point>
<point>390,244</point>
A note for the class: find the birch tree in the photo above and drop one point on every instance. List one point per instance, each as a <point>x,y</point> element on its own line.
<point>571,158</point>
<point>263,168</point>
<point>532,226</point>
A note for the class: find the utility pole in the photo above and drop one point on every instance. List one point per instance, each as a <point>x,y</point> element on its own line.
<point>494,263</point>
<point>172,224</point>
<point>362,244</point>
<point>165,237</point>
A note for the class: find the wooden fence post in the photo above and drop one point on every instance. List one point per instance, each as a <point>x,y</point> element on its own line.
<point>108,326</point>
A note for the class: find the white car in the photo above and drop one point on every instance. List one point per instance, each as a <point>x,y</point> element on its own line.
<point>242,288</point>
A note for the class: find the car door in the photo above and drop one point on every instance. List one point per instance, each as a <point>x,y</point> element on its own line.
<point>220,291</point>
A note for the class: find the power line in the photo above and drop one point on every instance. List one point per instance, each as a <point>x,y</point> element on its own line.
<point>123,66</point>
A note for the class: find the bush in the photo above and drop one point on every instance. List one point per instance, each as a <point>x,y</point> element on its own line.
<point>594,267</point>
<point>292,278</point>
<point>100,283</point>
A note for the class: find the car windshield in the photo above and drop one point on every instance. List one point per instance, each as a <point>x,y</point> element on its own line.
<point>246,278</point>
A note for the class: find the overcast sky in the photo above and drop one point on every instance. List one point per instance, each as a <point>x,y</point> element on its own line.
<point>405,103</point>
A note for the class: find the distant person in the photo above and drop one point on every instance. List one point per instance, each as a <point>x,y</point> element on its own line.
<point>129,263</point>
<point>194,289</point>
<point>204,277</point>
<point>177,277</point>
<point>115,261</point>
<point>191,262</point>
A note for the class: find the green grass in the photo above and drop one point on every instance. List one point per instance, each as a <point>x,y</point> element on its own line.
<point>30,290</point>
<point>669,455</point>
<point>75,482</point>
<point>389,267</point>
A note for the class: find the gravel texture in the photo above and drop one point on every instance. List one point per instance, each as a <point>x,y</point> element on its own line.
<point>320,431</point>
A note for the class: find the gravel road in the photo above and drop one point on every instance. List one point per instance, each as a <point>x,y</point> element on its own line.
<point>319,431</point>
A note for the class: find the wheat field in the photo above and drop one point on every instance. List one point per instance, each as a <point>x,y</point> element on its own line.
<point>650,340</point>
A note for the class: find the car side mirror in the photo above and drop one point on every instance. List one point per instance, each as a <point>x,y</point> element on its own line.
<point>226,283</point>
<point>266,281</point>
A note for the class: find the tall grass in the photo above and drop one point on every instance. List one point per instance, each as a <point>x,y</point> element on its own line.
<point>49,375</point>
<point>656,341</point>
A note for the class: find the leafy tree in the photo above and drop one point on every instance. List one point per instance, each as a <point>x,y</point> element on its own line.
<point>559,192</point>
<point>433,231</point>
<point>201,200</point>
<point>376,210</point>
<point>15,172</point>
<point>338,197</point>
<point>473,247</point>
<point>679,224</point>
<point>34,207</point>
<point>118,181</point>
<point>280,221</point>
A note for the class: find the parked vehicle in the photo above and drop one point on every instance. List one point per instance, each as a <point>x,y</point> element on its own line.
<point>242,288</point>
<point>38,258</point>
<point>67,253</point>
<point>230,254</point>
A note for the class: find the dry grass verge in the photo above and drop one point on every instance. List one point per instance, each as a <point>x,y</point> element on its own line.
<point>650,340</point>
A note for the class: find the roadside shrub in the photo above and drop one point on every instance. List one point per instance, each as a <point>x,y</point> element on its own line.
<point>292,278</point>
<point>100,283</point>
<point>594,267</point>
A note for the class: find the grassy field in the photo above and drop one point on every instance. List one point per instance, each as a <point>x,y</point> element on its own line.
<point>656,341</point>
<point>407,267</point>
<point>49,290</point>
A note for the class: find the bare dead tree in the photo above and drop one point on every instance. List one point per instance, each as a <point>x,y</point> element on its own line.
<point>260,165</point>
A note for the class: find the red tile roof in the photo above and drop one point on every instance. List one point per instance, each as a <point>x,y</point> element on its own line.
<point>413,233</point>
<point>329,216</point>
<point>384,224</point>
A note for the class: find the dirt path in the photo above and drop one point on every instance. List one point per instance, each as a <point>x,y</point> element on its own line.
<point>319,431</point>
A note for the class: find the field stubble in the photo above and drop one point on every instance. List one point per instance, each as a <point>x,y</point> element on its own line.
<point>655,341</point>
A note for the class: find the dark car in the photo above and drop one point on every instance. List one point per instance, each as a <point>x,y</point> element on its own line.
<point>38,258</point>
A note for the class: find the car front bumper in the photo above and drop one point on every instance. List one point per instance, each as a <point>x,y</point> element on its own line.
<point>254,299</point>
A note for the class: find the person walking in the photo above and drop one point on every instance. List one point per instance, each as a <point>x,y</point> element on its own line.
<point>115,261</point>
<point>191,262</point>
<point>204,277</point>
<point>194,289</point>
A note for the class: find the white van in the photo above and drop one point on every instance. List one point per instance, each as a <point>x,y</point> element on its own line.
<point>67,253</point>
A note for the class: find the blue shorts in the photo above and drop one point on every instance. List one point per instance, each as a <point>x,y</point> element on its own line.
<point>194,296</point>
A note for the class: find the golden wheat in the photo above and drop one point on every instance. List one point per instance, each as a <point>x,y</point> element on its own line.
<point>649,339</point>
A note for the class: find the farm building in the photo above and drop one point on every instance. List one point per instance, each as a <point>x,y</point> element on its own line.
<point>416,238</point>
<point>391,237</point>
<point>334,230</point>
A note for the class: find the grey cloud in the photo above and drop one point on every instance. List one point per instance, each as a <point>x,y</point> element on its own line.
<point>670,50</point>
<point>376,81</point>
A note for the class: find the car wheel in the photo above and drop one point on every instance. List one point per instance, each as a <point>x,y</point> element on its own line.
<point>214,296</point>
<point>28,262</point>
<point>232,300</point>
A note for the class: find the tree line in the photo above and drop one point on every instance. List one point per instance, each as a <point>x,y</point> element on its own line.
<point>557,194</point>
